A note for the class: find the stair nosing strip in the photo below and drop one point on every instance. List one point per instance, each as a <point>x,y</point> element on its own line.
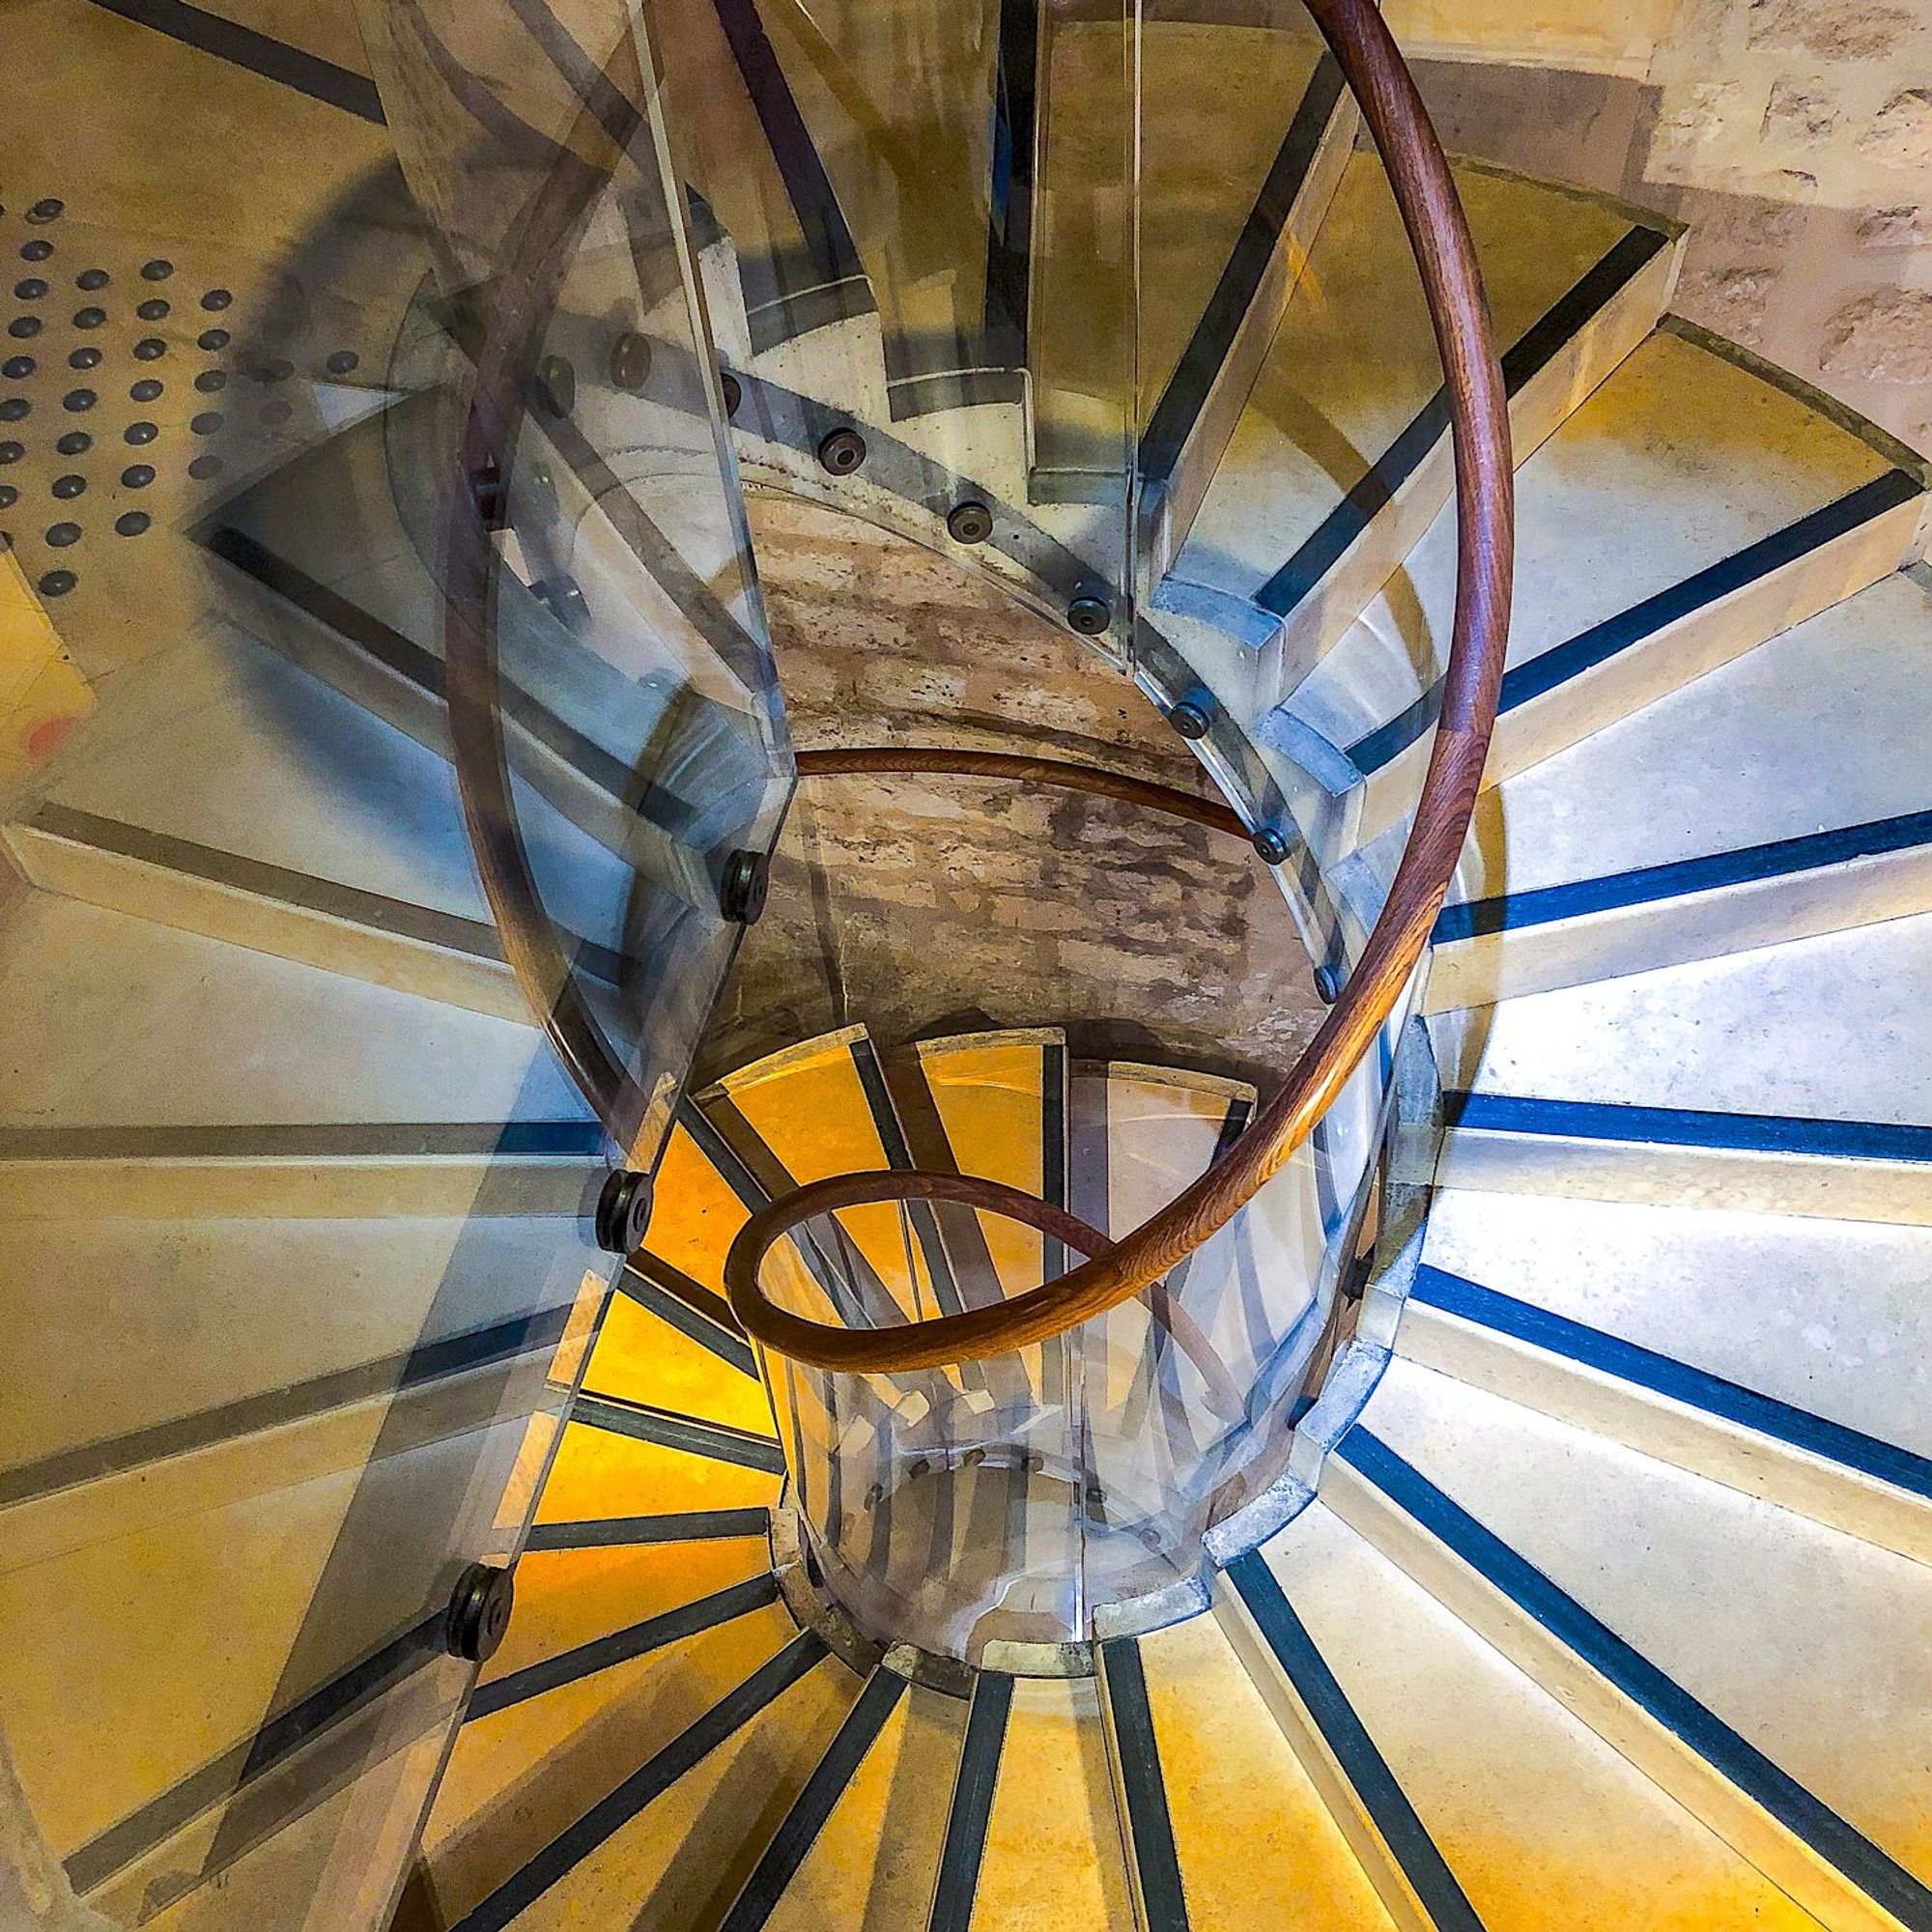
<point>610,1532</point>
<point>1143,1787</point>
<point>1683,878</point>
<point>667,1429</point>
<point>1687,1128</point>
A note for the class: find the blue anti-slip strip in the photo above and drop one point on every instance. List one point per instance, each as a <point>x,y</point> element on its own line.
<point>1678,1381</point>
<point>1878,1876</point>
<point>1750,864</point>
<point>1588,649</point>
<point>1365,1768</point>
<point>1678,1126</point>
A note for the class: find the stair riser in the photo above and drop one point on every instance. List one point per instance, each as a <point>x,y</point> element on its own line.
<point>1659,1752</point>
<point>1673,932</point>
<point>1707,1445</point>
<point>1670,1176</point>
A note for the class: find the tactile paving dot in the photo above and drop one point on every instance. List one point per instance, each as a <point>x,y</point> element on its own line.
<point>92,328</point>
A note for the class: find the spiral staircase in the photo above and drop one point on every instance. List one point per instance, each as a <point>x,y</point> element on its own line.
<point>1565,1395</point>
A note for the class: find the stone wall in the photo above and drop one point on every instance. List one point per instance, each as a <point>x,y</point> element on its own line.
<point>917,905</point>
<point>1795,136</point>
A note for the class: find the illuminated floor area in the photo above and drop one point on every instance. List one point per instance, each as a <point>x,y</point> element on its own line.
<point>1597,1596</point>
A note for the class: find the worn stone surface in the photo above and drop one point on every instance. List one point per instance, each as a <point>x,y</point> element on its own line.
<point>914,905</point>
<point>1882,337</point>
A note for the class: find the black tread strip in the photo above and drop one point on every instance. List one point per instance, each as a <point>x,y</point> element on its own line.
<point>973,1787</point>
<point>606,1532</point>
<point>621,1646</point>
<point>1137,1755</point>
<point>669,1429</point>
<point>612,1813</point>
<point>242,46</point>
<point>810,1810</point>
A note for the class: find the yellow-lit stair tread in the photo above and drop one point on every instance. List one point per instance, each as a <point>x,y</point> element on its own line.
<point>1053,1860</point>
<point>680,1861</point>
<point>874,1861</point>
<point>598,1473</point>
<point>1233,1780</point>
<point>523,1774</point>
<point>642,1359</point>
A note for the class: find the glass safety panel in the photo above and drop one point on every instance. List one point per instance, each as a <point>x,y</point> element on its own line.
<point>358,519</point>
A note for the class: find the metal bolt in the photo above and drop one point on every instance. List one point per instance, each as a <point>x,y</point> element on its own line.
<point>1090,614</point>
<point>841,451</point>
<point>1270,846</point>
<point>1190,718</point>
<point>1328,984</point>
<point>562,599</point>
<point>624,1211</point>
<point>556,384</point>
<point>631,362</point>
<point>734,392</point>
<point>745,884</point>
<point>479,1612</point>
<point>969,522</point>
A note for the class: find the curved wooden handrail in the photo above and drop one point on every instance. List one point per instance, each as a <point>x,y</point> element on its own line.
<point>1438,234</point>
<point>777,1218</point>
<point>891,761</point>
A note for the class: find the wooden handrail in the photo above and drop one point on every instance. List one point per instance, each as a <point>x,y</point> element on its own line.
<point>894,761</point>
<point>1438,234</point>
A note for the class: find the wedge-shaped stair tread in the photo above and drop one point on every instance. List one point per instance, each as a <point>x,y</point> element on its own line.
<point>641,1357</point>
<point>1233,1779</point>
<point>1689,508</point>
<point>1828,1318</point>
<point>875,1859</point>
<point>671,1855</point>
<point>1782,795</point>
<point>640,1642</point>
<point>1806,1644</point>
<point>600,1473</point>
<point>695,1214</point>
<point>1824,1028</point>
<point>1052,1847</point>
<point>1535,1820</point>
<point>1353,364</point>
<point>112,1020</point>
<point>823,1108</point>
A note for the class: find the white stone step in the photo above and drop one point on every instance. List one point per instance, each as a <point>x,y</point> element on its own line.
<point>1716,1639</point>
<point>1340,461</point>
<point>1796,1079</point>
<point>1782,795</point>
<point>1698,502</point>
